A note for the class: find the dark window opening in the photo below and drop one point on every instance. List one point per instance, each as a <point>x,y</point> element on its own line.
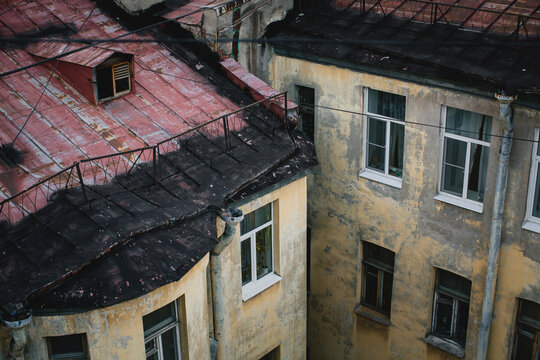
<point>378,276</point>
<point>308,259</point>
<point>162,333</point>
<point>306,110</point>
<point>113,80</point>
<point>527,340</point>
<point>72,347</point>
<point>272,355</point>
<point>451,307</point>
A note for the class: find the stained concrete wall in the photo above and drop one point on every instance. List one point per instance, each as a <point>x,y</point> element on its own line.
<point>255,16</point>
<point>116,332</point>
<point>345,209</point>
<point>276,317</point>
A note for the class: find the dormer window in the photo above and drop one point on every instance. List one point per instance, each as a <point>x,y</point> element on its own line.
<point>113,78</point>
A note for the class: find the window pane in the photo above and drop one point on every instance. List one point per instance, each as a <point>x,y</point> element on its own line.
<point>455,152</point>
<point>306,97</point>
<point>387,291</point>
<point>161,317</point>
<point>256,218</point>
<point>536,203</point>
<point>69,344</point>
<point>443,311</point>
<point>264,251</point>
<point>453,283</point>
<point>395,166</point>
<point>246,261</point>
<point>530,309</point>
<point>386,104</point>
<point>462,321</point>
<point>477,172</point>
<point>154,356</point>
<point>465,123</point>
<point>524,347</point>
<point>370,285</point>
<point>376,143</point>
<point>378,255</point>
<point>169,343</point>
<point>104,82</point>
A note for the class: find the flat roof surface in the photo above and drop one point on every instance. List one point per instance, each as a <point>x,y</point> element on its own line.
<point>137,224</point>
<point>437,51</point>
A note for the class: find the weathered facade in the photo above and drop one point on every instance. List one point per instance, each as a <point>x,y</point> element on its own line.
<point>124,171</point>
<point>117,332</point>
<point>356,206</point>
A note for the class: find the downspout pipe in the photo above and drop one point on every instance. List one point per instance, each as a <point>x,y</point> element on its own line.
<point>505,115</point>
<point>220,312</point>
<point>15,317</point>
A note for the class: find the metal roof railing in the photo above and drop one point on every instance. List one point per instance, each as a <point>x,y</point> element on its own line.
<point>481,18</point>
<point>107,168</point>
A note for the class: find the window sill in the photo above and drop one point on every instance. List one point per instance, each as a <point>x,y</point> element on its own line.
<point>466,204</point>
<point>531,226</point>
<point>372,315</point>
<point>445,345</point>
<point>254,288</point>
<point>385,179</point>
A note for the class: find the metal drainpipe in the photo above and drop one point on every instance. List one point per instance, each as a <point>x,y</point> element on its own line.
<point>15,317</point>
<point>221,314</point>
<point>505,114</point>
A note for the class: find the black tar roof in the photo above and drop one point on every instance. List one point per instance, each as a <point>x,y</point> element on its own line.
<point>333,32</point>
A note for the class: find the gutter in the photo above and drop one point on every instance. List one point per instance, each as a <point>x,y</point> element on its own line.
<point>220,310</point>
<point>16,317</point>
<point>505,114</point>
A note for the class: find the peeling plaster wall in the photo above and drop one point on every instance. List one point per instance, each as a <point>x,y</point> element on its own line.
<point>116,332</point>
<point>276,316</point>
<point>258,14</point>
<point>345,209</point>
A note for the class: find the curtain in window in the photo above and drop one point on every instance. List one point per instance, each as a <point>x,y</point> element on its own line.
<point>386,104</point>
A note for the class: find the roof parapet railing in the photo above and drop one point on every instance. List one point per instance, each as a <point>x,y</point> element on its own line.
<point>120,163</point>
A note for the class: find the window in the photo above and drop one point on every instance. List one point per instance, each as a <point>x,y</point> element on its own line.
<point>306,110</point>
<point>69,347</point>
<point>532,218</point>
<point>257,251</point>
<point>272,355</point>
<point>466,142</point>
<point>113,80</point>
<point>384,136</point>
<point>378,274</point>
<point>451,307</point>
<point>162,333</point>
<point>527,343</point>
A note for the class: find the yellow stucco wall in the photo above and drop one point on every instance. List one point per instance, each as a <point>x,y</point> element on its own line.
<point>345,209</point>
<point>276,317</point>
<point>116,332</point>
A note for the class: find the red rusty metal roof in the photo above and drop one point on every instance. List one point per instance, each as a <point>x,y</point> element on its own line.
<point>90,57</point>
<point>500,16</point>
<point>168,95</point>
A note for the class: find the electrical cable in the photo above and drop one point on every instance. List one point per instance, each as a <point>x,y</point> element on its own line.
<point>101,41</point>
<point>408,122</point>
<point>48,81</point>
<point>12,7</point>
<point>274,40</point>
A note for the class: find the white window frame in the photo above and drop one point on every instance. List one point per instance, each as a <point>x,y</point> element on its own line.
<point>453,199</point>
<point>158,330</point>
<point>531,222</point>
<point>255,286</point>
<point>372,174</point>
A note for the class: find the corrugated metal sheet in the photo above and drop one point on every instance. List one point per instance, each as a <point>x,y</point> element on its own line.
<point>168,95</point>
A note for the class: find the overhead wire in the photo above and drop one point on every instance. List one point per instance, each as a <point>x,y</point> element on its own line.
<point>299,103</point>
<point>101,41</point>
<point>48,81</point>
